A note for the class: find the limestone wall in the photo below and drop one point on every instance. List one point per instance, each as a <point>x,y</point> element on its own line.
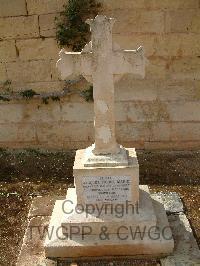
<point>162,111</point>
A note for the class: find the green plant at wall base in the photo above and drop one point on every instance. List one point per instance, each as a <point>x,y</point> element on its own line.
<point>7,94</point>
<point>88,94</point>
<point>72,30</point>
<point>28,94</point>
<point>55,98</point>
<point>4,98</point>
<point>6,86</point>
<point>45,100</point>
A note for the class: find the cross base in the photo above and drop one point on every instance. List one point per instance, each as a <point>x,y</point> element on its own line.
<point>105,160</point>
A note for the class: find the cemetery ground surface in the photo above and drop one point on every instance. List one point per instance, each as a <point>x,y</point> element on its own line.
<point>27,174</point>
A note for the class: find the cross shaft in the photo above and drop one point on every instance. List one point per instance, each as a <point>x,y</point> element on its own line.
<point>100,62</point>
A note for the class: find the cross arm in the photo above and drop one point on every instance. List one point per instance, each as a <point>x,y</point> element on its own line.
<point>129,62</point>
<point>74,63</point>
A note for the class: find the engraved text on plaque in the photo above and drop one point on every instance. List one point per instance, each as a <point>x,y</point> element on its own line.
<point>107,189</point>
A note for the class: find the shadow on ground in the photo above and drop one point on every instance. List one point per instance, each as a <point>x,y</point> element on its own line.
<point>156,167</point>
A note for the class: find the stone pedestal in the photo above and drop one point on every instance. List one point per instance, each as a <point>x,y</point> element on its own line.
<point>104,183</point>
<point>108,214</point>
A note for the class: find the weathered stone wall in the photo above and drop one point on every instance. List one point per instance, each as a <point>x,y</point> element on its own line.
<point>162,111</point>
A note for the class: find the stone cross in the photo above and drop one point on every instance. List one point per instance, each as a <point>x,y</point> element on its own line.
<point>102,62</point>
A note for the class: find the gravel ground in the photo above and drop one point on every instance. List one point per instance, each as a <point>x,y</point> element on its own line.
<point>29,173</point>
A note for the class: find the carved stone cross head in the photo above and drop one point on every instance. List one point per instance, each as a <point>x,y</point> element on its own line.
<point>102,62</point>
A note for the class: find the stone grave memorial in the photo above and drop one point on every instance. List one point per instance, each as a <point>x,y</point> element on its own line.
<point>107,213</point>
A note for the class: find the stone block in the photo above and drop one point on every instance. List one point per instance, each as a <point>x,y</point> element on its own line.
<point>7,51</point>
<point>190,45</point>
<point>50,112</point>
<point>149,4</point>
<point>11,113</point>
<point>161,45</point>
<point>130,89</point>
<point>77,144</point>
<point>126,111</point>
<point>178,45</point>
<point>170,145</point>
<point>112,4</point>
<point>121,109</point>
<point>19,27</point>
<point>183,21</point>
<point>77,112</point>
<point>26,133</point>
<point>168,4</point>
<point>12,8</point>
<point>62,132</point>
<point>29,71</point>
<point>173,90</point>
<point>187,131</point>
<point>133,41</point>
<point>156,68</point>
<point>40,87</point>
<point>19,132</point>
<point>137,21</point>
<point>52,132</point>
<point>48,25</point>
<point>141,111</point>
<point>45,6</point>
<point>3,74</point>
<point>138,131</point>
<point>184,111</point>
<point>8,132</point>
<point>187,68</point>
<point>35,49</point>
<point>196,96</point>
<point>160,131</point>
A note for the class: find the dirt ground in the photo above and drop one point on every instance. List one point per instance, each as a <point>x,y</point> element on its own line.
<point>29,173</point>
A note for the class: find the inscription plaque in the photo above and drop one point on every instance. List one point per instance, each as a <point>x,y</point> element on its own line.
<point>107,189</point>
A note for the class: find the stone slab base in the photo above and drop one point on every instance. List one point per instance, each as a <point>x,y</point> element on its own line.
<point>128,239</point>
<point>32,250</point>
<point>129,215</point>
